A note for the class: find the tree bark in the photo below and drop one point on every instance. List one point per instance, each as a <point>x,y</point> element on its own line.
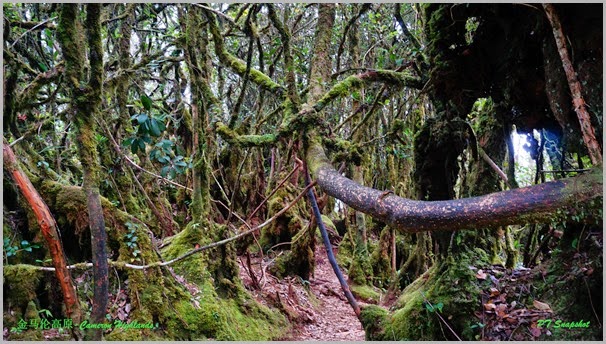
<point>593,146</point>
<point>48,227</point>
<point>531,204</point>
<point>86,93</point>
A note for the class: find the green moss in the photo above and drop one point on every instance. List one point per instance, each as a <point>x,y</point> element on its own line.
<point>380,259</point>
<point>344,150</point>
<point>20,283</point>
<point>451,283</point>
<point>192,268</point>
<point>287,225</point>
<point>238,65</point>
<point>29,335</point>
<point>365,293</point>
<point>244,140</point>
<point>31,311</point>
<point>299,260</point>
<point>571,293</point>
<point>211,317</point>
<point>360,269</point>
<point>374,320</point>
<point>224,267</point>
<point>340,89</point>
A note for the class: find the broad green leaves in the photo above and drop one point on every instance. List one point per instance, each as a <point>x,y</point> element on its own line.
<point>12,250</point>
<point>149,128</point>
<point>146,102</point>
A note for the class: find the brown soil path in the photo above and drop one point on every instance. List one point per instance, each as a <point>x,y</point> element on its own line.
<point>317,309</point>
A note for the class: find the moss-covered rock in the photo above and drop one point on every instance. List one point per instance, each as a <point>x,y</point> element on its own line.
<point>453,285</point>
<point>365,293</point>
<point>374,319</point>
<point>20,284</point>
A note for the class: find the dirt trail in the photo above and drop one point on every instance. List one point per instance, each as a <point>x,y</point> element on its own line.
<point>318,309</point>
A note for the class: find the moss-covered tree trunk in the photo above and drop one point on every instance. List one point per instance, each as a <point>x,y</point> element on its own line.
<point>86,93</point>
<point>302,254</point>
<point>481,178</point>
<point>360,270</point>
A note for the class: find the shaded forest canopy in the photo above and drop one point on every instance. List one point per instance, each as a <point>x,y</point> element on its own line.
<point>152,150</point>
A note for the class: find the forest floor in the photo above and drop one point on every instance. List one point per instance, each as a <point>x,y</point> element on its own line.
<point>317,308</point>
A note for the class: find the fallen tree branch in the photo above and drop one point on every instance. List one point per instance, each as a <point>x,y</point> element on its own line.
<point>525,205</point>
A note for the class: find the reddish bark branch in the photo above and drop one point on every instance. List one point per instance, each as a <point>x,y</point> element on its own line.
<point>595,151</point>
<point>495,167</point>
<point>48,226</point>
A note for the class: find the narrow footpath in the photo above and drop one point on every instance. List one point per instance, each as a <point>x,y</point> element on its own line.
<point>317,308</point>
<point>335,318</point>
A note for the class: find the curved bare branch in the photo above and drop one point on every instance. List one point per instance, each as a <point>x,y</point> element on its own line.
<point>531,204</point>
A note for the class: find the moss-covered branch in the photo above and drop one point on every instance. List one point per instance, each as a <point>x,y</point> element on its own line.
<point>25,99</point>
<point>291,81</point>
<point>234,138</point>
<point>537,203</point>
<point>354,82</point>
<point>236,64</point>
<point>309,115</point>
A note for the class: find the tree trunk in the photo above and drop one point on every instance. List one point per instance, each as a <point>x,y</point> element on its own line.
<point>48,226</point>
<point>595,151</point>
<point>86,102</point>
<point>302,253</point>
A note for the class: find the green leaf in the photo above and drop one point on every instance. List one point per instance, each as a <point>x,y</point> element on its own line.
<point>439,306</point>
<point>146,101</point>
<point>128,141</point>
<point>141,145</point>
<point>154,128</point>
<point>42,66</point>
<point>165,144</point>
<point>154,154</point>
<point>142,118</point>
<point>134,146</point>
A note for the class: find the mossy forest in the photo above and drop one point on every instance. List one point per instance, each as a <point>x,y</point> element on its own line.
<point>301,171</point>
